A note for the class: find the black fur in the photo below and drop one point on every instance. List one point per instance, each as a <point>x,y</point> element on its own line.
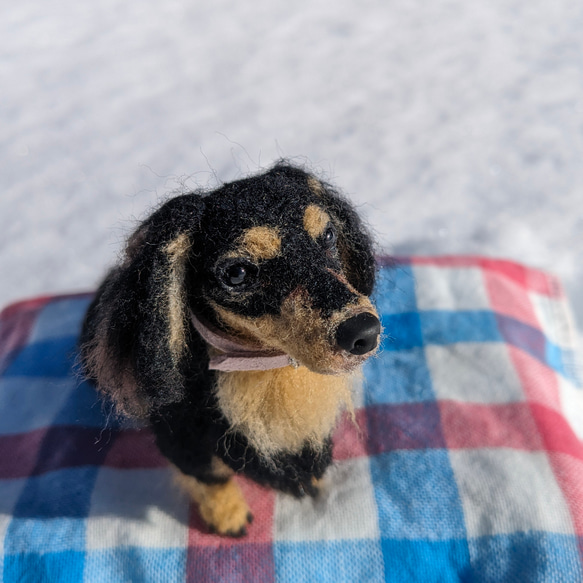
<point>128,319</point>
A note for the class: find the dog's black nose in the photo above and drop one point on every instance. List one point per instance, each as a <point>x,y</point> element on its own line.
<point>359,334</point>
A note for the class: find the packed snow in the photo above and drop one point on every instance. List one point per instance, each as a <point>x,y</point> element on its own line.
<point>457,127</point>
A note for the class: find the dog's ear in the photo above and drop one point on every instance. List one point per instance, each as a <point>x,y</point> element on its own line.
<point>135,332</point>
<point>355,244</point>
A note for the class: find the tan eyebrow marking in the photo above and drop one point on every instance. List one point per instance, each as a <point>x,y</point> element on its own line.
<point>261,242</point>
<point>315,220</point>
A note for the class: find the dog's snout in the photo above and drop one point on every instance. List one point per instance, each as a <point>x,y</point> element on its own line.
<point>359,334</point>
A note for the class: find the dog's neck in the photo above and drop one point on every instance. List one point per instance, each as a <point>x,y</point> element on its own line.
<point>236,356</point>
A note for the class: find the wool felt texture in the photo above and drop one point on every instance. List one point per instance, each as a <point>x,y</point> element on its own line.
<point>279,261</point>
<point>465,463</point>
<point>199,238</point>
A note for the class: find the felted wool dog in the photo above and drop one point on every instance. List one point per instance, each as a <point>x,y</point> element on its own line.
<point>233,324</point>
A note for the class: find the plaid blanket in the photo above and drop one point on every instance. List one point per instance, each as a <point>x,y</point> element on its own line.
<point>465,462</point>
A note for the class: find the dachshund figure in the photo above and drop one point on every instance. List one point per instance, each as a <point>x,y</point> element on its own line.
<point>232,326</point>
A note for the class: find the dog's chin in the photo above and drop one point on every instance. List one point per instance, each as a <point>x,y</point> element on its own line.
<point>338,364</point>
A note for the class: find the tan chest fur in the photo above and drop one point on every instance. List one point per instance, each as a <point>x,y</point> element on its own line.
<point>282,409</point>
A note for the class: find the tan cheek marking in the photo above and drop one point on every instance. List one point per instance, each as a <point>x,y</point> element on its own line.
<point>261,243</point>
<point>315,221</point>
<point>315,186</point>
<point>260,330</point>
<point>299,331</point>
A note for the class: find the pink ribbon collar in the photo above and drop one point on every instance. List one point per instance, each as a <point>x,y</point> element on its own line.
<point>236,356</point>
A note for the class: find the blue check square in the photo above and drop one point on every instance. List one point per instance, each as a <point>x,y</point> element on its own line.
<point>409,380</point>
<point>395,290</point>
<point>58,494</point>
<point>64,566</point>
<point>417,495</point>
<point>423,561</point>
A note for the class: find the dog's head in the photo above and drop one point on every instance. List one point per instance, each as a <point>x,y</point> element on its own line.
<point>280,261</point>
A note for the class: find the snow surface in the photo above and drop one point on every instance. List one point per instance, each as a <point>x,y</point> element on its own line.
<point>457,126</point>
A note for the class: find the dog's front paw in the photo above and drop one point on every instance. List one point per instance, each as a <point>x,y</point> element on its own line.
<point>222,506</point>
<point>303,488</point>
<point>224,509</point>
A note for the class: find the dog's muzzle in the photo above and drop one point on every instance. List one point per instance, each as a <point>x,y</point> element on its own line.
<point>360,334</point>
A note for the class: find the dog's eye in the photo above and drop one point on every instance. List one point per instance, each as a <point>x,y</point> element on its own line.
<point>237,274</point>
<point>329,237</point>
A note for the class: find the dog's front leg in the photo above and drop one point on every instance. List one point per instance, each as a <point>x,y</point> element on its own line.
<point>221,504</point>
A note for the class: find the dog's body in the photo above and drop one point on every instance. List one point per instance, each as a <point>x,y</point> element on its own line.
<point>232,325</point>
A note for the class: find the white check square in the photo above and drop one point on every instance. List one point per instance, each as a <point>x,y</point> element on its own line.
<point>506,491</point>
<point>571,398</point>
<point>477,372</point>
<point>345,508</point>
<point>448,288</point>
<point>141,508</point>
<point>554,318</point>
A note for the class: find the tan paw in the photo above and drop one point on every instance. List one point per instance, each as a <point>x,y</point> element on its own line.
<point>224,509</point>
<point>221,506</point>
